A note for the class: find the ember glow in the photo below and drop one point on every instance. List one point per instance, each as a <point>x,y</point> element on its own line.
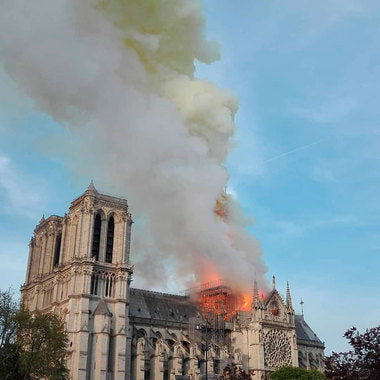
<point>246,302</point>
<point>218,299</point>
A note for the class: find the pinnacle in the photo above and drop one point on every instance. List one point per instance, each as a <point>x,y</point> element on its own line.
<point>288,297</point>
<point>256,299</point>
<point>91,188</point>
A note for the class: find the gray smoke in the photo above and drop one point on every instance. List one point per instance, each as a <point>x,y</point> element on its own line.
<point>119,75</point>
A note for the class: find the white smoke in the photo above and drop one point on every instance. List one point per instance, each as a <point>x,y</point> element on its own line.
<point>119,75</point>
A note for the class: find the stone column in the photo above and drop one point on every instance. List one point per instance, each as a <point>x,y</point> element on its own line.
<point>127,221</point>
<point>103,240</point>
<point>73,226</point>
<point>88,248</point>
<point>100,347</point>
<point>72,288</point>
<point>36,302</point>
<point>30,261</point>
<point>175,362</point>
<point>193,370</point>
<point>293,339</point>
<point>157,360</point>
<point>253,339</point>
<point>79,239</point>
<point>80,322</point>
<point>43,253</point>
<point>50,251</point>
<point>55,290</point>
<point>63,241</point>
<point>120,341</point>
<point>86,280</point>
<point>35,264</point>
<point>138,361</point>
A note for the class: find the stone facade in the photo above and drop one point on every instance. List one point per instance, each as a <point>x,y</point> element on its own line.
<point>79,267</point>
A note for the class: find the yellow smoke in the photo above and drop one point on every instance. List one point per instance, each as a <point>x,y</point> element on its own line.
<point>168,36</point>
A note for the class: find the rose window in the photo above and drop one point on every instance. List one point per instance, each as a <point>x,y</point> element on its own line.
<point>277,350</point>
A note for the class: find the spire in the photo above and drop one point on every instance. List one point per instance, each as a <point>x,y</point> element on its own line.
<point>256,303</point>
<point>91,188</point>
<point>255,294</point>
<point>288,297</point>
<point>274,282</point>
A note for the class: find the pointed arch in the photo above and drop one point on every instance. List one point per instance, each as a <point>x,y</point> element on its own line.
<point>57,249</point>
<point>110,237</point>
<point>96,236</point>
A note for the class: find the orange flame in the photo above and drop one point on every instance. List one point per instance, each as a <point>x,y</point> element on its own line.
<point>219,300</point>
<point>246,303</point>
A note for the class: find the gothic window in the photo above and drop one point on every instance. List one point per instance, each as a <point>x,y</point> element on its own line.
<point>109,285</point>
<point>277,350</point>
<point>110,234</point>
<point>57,249</point>
<point>96,237</point>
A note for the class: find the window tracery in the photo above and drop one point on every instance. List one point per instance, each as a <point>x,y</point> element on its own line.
<point>277,349</point>
<point>103,284</point>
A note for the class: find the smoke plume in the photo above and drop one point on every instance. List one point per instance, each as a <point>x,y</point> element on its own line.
<point>119,76</point>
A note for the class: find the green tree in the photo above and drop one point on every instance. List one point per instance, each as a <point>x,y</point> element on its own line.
<point>362,362</point>
<point>43,341</point>
<point>294,373</point>
<point>32,346</point>
<point>9,350</point>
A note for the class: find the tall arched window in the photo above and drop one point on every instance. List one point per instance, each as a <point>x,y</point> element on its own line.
<point>109,246</point>
<point>57,249</point>
<point>96,237</point>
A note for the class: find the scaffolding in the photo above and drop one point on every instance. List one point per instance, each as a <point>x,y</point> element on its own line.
<point>217,306</point>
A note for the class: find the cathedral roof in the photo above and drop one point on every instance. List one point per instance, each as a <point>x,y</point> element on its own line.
<point>163,308</point>
<point>151,305</point>
<point>305,335</point>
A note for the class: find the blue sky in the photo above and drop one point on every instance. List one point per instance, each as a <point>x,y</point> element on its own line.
<point>307,160</point>
<point>305,165</point>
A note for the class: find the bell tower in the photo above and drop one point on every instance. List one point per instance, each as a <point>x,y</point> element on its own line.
<point>79,267</point>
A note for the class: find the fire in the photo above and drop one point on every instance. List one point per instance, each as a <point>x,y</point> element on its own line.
<point>219,300</point>
<point>246,302</point>
<point>216,297</point>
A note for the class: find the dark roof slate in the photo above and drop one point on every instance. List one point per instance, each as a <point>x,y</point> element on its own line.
<point>161,306</point>
<point>305,333</point>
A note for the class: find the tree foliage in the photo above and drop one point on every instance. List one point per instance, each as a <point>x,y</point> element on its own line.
<point>31,346</point>
<point>9,352</point>
<point>362,362</point>
<point>294,373</point>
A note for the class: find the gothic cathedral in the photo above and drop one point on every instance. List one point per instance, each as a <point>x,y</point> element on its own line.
<point>79,267</point>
